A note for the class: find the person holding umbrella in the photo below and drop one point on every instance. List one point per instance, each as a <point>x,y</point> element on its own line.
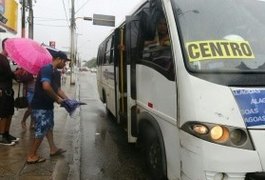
<point>47,91</point>
<point>6,99</point>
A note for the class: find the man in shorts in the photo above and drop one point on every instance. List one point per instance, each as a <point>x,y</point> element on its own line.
<point>6,99</point>
<point>47,91</point>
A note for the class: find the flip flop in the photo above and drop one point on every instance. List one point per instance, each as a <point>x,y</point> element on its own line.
<point>58,152</point>
<point>39,160</point>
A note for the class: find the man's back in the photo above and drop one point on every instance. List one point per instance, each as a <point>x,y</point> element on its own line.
<point>41,99</point>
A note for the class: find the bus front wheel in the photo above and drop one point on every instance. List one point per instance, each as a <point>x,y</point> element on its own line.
<point>154,155</point>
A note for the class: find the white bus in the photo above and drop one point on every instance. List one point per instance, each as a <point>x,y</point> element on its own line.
<point>194,99</point>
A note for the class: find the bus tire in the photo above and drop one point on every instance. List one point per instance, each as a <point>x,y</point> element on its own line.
<point>153,153</point>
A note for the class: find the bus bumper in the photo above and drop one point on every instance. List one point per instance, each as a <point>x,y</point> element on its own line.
<point>255,176</point>
<point>204,160</point>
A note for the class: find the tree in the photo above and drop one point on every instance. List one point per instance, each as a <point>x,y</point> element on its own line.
<point>91,63</point>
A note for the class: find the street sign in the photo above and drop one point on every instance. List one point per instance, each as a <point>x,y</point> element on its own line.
<point>103,20</point>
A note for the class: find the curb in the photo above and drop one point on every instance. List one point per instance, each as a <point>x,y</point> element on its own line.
<point>69,166</point>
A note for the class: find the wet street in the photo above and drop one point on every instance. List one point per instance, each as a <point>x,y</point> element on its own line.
<point>105,153</point>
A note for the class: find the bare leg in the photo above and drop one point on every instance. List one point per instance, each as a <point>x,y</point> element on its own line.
<point>32,120</point>
<point>2,125</point>
<point>32,156</point>
<point>25,117</point>
<point>53,147</point>
<point>8,123</point>
<point>32,123</point>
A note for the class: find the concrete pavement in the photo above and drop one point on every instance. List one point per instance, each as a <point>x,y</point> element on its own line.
<point>66,135</point>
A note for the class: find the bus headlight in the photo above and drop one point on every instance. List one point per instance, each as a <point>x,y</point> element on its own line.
<point>200,129</point>
<point>238,137</point>
<point>219,134</point>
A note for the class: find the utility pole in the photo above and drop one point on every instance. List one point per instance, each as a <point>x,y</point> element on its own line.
<point>72,45</point>
<point>30,19</point>
<point>23,20</point>
<point>72,50</point>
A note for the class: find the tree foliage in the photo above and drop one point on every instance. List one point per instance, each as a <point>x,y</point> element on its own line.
<point>91,63</point>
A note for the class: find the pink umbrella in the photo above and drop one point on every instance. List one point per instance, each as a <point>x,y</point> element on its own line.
<point>27,53</point>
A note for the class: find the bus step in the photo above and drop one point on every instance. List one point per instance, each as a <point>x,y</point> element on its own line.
<point>123,119</point>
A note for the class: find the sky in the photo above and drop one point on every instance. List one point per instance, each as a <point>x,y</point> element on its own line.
<point>51,22</point>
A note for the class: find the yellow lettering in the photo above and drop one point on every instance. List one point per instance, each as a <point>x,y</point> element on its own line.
<point>193,51</point>
<point>222,49</point>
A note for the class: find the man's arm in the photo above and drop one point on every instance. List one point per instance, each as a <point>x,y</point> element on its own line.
<point>48,88</point>
<point>62,94</point>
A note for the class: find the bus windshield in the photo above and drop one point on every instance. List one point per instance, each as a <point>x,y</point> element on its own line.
<point>222,36</point>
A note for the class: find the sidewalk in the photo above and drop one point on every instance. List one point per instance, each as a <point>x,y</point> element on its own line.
<point>66,135</point>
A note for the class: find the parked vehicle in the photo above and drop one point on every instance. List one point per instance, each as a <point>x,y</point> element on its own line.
<point>93,70</point>
<point>194,100</point>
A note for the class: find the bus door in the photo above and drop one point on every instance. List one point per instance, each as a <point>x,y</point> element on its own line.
<point>120,72</point>
<point>132,37</point>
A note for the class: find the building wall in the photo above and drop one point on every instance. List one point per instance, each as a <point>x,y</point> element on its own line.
<point>11,13</point>
<point>9,9</point>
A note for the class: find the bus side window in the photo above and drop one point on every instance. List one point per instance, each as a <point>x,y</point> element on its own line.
<point>100,55</point>
<point>157,52</point>
<point>111,51</point>
<point>108,51</point>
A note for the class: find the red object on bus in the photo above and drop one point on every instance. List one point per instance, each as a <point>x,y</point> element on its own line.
<point>150,105</point>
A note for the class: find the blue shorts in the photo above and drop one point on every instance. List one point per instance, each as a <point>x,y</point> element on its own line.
<point>44,122</point>
<point>30,93</point>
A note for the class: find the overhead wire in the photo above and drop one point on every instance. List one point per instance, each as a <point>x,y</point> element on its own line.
<point>82,6</point>
<point>65,13</point>
<point>50,25</point>
<point>48,19</point>
<point>42,19</point>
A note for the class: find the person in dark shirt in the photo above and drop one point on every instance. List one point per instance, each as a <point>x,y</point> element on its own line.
<point>6,99</point>
<point>47,91</point>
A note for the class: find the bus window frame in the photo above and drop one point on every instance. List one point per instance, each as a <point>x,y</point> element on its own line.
<point>101,55</point>
<point>107,51</point>
<point>168,71</point>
